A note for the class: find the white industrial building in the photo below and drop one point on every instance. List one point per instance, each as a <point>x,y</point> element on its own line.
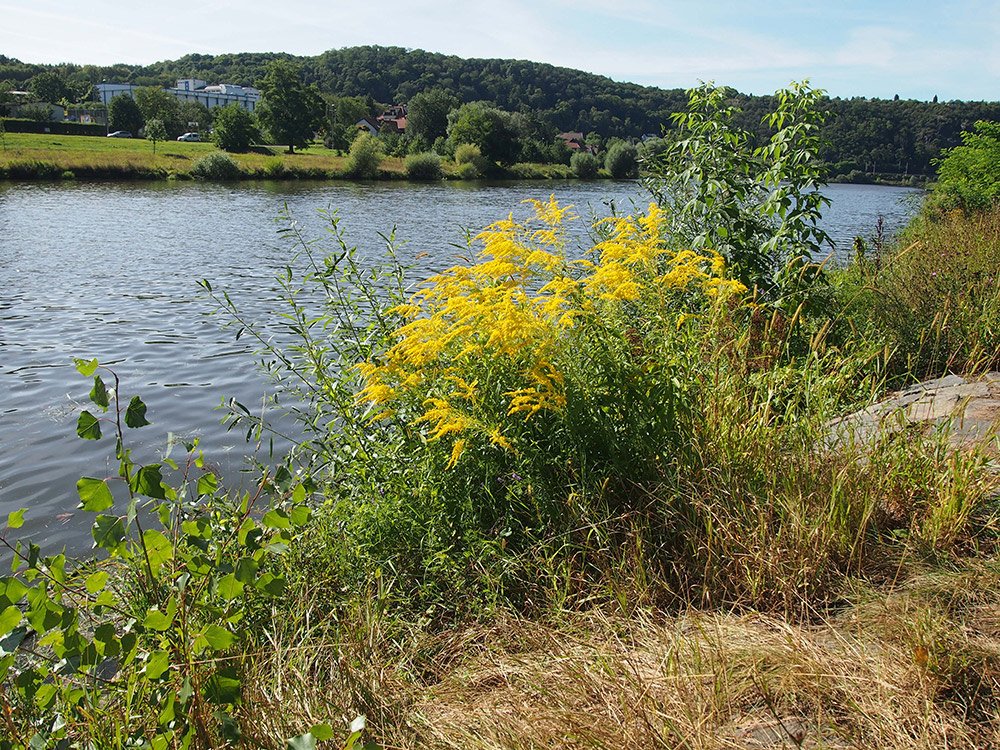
<point>192,90</point>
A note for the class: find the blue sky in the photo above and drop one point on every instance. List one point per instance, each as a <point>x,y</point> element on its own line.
<point>917,49</point>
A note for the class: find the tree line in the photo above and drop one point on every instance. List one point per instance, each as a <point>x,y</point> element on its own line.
<point>861,139</point>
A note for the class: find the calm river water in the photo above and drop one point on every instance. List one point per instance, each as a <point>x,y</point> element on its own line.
<point>110,271</point>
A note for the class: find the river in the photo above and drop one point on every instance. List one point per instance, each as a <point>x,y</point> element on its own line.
<point>110,271</point>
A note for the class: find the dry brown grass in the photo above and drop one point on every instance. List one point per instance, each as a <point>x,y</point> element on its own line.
<point>916,665</point>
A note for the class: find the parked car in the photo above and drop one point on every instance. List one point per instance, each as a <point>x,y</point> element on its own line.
<point>189,137</point>
<point>120,134</point>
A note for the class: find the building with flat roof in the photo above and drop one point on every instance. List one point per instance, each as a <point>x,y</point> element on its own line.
<point>191,90</point>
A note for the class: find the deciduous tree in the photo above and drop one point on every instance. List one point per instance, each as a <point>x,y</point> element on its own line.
<point>290,110</point>
<point>124,114</point>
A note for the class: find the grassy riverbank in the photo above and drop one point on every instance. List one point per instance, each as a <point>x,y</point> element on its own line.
<point>30,156</point>
<point>558,500</point>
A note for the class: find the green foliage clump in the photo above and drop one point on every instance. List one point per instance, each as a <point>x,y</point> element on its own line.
<point>425,166</point>
<point>124,114</point>
<point>144,647</point>
<point>585,165</point>
<point>234,129</point>
<point>969,175</point>
<point>157,104</point>
<point>622,160</point>
<point>490,129</point>
<point>427,113</point>
<point>365,156</point>
<point>216,166</point>
<point>758,205</point>
<point>934,301</point>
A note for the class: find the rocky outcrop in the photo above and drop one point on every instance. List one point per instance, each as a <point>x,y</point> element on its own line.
<point>967,409</point>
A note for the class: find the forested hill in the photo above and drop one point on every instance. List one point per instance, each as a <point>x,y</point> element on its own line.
<point>899,137</point>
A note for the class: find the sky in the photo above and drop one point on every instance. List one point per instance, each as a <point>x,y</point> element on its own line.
<point>915,48</point>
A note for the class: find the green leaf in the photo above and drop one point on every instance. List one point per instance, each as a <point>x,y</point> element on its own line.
<point>299,497</point>
<point>299,515</point>
<point>229,587</point>
<point>96,581</point>
<point>148,481</point>
<point>108,533</point>
<point>158,549</point>
<point>95,495</point>
<point>86,367</point>
<point>157,620</point>
<point>15,519</point>
<point>276,519</point>
<point>9,619</point>
<point>99,393</point>
<point>157,664</point>
<point>208,484</point>
<point>135,414</point>
<point>246,569</point>
<point>219,638</point>
<point>88,427</point>
<point>322,732</point>
<point>303,742</point>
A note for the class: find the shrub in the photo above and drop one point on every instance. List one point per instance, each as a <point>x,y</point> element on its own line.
<point>622,160</point>
<point>216,166</point>
<point>155,131</point>
<point>234,129</point>
<point>585,165</point>
<point>364,157</point>
<point>467,153</point>
<point>935,300</point>
<point>969,175</point>
<point>425,166</point>
<point>467,171</point>
<point>757,205</point>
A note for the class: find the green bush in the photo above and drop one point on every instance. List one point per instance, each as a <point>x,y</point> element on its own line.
<point>425,166</point>
<point>364,157</point>
<point>622,160</point>
<point>467,153</point>
<point>216,166</point>
<point>969,175</point>
<point>234,129</point>
<point>467,171</point>
<point>585,165</point>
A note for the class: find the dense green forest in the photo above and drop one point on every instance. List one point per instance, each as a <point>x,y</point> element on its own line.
<point>863,137</point>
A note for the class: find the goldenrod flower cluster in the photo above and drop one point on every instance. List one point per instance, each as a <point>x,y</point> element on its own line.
<point>482,346</point>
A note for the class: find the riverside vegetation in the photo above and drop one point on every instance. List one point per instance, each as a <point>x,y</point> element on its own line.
<point>551,498</point>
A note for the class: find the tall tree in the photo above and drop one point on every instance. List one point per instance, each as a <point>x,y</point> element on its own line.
<point>124,114</point>
<point>49,87</point>
<point>289,109</point>
<point>487,127</point>
<point>427,113</point>
<point>158,104</point>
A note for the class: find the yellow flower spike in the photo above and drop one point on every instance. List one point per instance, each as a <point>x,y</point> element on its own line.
<point>456,452</point>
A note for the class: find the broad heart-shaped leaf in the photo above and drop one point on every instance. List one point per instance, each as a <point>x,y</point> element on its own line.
<point>219,639</point>
<point>148,481</point>
<point>158,663</point>
<point>9,619</point>
<point>95,495</point>
<point>157,620</point>
<point>158,549</point>
<point>108,533</point>
<point>15,519</point>
<point>135,414</point>
<point>99,393</point>
<point>86,367</point>
<point>322,732</point>
<point>88,427</point>
<point>208,484</point>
